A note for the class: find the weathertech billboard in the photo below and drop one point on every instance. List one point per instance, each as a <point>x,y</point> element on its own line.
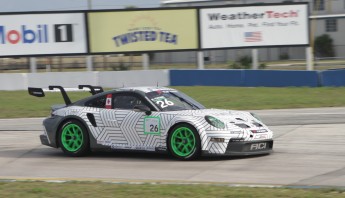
<point>274,25</point>
<point>149,30</point>
<point>42,34</point>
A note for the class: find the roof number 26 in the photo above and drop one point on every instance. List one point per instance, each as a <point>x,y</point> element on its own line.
<point>165,103</point>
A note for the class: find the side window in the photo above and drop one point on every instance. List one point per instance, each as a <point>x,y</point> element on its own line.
<point>97,102</point>
<point>126,102</point>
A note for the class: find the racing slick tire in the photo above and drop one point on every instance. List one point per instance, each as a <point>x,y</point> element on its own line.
<point>74,139</point>
<point>184,142</point>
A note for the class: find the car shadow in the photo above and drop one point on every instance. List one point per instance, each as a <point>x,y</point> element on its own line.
<point>110,155</point>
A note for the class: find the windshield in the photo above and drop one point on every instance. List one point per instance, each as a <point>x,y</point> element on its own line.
<point>173,101</point>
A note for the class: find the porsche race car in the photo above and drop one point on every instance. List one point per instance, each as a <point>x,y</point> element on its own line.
<point>157,119</point>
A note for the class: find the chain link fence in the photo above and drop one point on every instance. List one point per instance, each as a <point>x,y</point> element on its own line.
<point>288,58</point>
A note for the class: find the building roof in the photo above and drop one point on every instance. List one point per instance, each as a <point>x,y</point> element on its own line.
<point>184,1</point>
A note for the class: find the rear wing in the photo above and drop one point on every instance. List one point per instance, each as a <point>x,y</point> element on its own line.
<point>39,92</point>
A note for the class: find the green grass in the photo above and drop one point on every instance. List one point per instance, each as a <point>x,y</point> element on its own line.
<point>244,98</point>
<point>14,104</point>
<point>99,189</point>
<point>17,104</point>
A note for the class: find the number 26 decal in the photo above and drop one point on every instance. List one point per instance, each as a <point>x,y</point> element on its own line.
<point>153,128</point>
<point>164,103</point>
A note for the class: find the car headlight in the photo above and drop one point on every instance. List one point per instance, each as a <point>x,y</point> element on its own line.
<point>215,122</point>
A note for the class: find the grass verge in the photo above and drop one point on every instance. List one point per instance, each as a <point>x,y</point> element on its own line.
<point>99,189</point>
<point>15,104</point>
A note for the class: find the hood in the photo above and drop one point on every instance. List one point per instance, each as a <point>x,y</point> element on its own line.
<point>227,116</point>
<point>233,120</point>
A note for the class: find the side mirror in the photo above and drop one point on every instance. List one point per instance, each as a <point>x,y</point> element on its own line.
<point>142,108</point>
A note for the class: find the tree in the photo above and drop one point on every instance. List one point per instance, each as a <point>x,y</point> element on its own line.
<point>323,46</point>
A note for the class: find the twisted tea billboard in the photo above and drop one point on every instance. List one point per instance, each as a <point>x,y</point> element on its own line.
<point>149,30</point>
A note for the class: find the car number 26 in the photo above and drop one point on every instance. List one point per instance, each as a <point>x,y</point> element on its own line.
<point>153,128</point>
<point>164,103</point>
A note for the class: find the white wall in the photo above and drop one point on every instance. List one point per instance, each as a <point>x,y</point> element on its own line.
<point>73,79</point>
<point>134,78</point>
<point>13,81</point>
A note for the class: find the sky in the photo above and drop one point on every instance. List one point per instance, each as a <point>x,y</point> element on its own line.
<point>53,5</point>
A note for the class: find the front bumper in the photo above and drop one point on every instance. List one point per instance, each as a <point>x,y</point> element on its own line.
<point>249,148</point>
<point>240,148</point>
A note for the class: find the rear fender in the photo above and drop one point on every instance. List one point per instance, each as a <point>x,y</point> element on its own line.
<point>93,141</point>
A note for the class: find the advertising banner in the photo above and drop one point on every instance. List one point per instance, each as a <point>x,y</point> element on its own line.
<point>37,34</point>
<point>274,25</point>
<point>150,30</point>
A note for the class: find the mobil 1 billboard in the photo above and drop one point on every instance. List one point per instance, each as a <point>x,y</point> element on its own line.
<point>42,34</point>
<point>251,26</point>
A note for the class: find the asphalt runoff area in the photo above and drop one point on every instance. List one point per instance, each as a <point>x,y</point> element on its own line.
<point>309,150</point>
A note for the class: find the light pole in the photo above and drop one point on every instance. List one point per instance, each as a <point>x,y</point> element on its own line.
<point>89,62</point>
<point>89,4</point>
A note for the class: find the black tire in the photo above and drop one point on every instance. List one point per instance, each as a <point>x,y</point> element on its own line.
<point>74,139</point>
<point>187,147</point>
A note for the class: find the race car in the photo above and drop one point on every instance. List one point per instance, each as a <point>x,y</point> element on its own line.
<point>157,119</point>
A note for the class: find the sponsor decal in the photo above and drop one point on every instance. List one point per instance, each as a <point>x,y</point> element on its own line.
<point>245,15</point>
<point>261,136</point>
<point>36,34</point>
<point>31,34</point>
<point>141,36</point>
<point>161,149</point>
<point>254,26</point>
<point>143,30</point>
<point>258,146</point>
<point>126,147</point>
<point>152,125</point>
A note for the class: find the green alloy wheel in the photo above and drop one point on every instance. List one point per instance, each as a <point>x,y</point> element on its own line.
<point>184,142</point>
<point>74,139</point>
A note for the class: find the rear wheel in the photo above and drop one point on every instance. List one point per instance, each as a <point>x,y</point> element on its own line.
<point>184,142</point>
<point>74,139</point>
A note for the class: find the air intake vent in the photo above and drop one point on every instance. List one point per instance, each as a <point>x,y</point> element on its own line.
<point>244,126</point>
<point>257,124</point>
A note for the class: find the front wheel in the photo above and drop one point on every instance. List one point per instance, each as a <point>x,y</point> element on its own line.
<point>184,142</point>
<point>74,139</point>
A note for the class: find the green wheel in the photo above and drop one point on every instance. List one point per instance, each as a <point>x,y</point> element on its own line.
<point>74,139</point>
<point>184,142</point>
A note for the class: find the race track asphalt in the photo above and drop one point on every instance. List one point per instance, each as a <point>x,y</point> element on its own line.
<point>309,150</point>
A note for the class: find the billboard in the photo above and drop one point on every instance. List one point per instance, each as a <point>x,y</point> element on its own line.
<point>38,34</point>
<point>150,30</point>
<point>273,25</point>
